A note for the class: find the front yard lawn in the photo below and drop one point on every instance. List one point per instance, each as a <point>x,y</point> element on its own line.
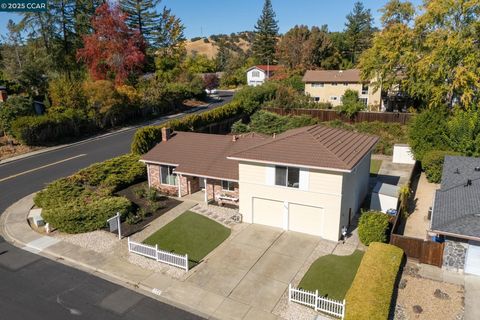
<point>332,275</point>
<point>191,234</point>
<point>375,165</point>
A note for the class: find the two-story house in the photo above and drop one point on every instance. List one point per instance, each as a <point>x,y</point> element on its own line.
<point>330,86</point>
<point>311,180</point>
<point>257,75</point>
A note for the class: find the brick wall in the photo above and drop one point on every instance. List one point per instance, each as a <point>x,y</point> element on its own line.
<point>214,190</point>
<point>189,185</point>
<point>154,180</point>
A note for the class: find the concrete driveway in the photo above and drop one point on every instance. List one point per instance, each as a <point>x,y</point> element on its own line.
<point>252,270</point>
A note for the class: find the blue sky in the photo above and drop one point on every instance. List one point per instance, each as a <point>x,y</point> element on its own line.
<point>206,17</point>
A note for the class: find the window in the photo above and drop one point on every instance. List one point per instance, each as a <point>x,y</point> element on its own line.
<point>333,98</point>
<point>364,88</point>
<point>334,84</point>
<point>255,74</point>
<point>228,185</point>
<point>317,85</point>
<point>363,100</point>
<point>345,84</point>
<point>287,176</point>
<point>167,175</point>
<point>316,99</point>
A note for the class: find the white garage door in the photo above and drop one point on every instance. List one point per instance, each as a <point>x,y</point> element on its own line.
<point>305,219</point>
<point>472,261</point>
<point>268,212</point>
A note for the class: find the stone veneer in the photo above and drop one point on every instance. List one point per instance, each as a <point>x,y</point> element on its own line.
<point>214,190</point>
<point>454,254</point>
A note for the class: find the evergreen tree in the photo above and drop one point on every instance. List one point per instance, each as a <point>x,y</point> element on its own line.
<point>266,32</point>
<point>359,31</point>
<point>142,16</point>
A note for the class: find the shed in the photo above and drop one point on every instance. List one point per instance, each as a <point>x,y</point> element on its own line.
<point>384,197</point>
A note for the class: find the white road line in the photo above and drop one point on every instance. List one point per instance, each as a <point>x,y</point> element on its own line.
<point>42,167</point>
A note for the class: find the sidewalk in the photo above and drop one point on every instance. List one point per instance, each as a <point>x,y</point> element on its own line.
<point>179,293</point>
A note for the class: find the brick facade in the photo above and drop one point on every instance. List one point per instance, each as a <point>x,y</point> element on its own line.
<point>189,185</point>
<point>214,191</point>
<point>154,181</point>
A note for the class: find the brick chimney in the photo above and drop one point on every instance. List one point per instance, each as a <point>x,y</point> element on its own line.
<point>166,132</point>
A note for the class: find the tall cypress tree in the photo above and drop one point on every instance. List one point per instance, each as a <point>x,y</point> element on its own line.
<point>266,32</point>
<point>142,16</point>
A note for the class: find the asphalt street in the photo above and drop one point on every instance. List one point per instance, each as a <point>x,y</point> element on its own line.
<point>32,287</point>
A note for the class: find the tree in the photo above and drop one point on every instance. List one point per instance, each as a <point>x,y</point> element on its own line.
<point>13,51</point>
<point>211,81</point>
<point>113,50</point>
<point>142,16</point>
<point>351,104</point>
<point>266,33</point>
<point>436,60</point>
<point>359,31</point>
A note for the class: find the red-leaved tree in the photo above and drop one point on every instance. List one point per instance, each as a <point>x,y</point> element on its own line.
<point>112,50</point>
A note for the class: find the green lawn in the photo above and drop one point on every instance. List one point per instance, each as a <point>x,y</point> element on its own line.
<point>190,234</point>
<point>375,166</point>
<point>332,275</point>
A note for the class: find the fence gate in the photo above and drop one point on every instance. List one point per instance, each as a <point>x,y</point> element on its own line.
<point>424,251</point>
<point>432,253</point>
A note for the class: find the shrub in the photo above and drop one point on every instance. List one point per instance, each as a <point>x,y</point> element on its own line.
<point>81,216</point>
<point>351,104</point>
<point>372,227</point>
<point>14,107</point>
<point>370,295</point>
<point>433,164</point>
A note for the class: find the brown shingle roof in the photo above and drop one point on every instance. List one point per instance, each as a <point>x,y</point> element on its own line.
<point>313,146</point>
<point>202,154</point>
<point>265,67</point>
<point>347,76</point>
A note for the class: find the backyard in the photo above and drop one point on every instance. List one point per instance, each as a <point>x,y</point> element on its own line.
<point>375,165</point>
<point>332,275</point>
<point>190,234</point>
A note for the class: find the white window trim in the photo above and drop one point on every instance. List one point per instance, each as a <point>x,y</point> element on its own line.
<point>332,98</point>
<point>286,178</point>
<point>229,183</point>
<point>174,174</point>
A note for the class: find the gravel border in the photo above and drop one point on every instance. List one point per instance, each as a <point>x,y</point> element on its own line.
<point>98,241</point>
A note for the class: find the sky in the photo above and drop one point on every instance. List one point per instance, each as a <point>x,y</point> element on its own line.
<point>207,17</point>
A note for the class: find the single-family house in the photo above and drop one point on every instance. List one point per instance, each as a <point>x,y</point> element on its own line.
<point>257,75</point>
<point>330,85</point>
<point>456,213</point>
<point>311,180</point>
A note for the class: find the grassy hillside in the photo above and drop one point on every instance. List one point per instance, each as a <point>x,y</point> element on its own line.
<point>236,42</point>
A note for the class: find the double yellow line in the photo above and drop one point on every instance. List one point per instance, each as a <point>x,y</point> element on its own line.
<point>42,167</point>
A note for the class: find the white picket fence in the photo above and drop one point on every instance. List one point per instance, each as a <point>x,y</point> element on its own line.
<point>173,259</point>
<point>314,300</point>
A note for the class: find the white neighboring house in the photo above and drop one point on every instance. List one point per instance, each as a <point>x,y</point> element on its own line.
<point>257,75</point>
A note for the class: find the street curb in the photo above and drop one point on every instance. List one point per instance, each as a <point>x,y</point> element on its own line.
<point>46,253</point>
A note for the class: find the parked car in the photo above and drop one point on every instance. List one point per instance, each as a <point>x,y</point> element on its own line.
<point>211,91</point>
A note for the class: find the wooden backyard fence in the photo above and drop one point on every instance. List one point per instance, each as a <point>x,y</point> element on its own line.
<point>424,251</point>
<point>173,259</point>
<point>314,300</point>
<point>331,115</point>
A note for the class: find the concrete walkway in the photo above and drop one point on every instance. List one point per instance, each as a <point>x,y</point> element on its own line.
<point>244,278</point>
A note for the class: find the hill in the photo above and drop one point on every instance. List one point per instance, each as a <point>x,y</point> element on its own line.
<point>237,42</point>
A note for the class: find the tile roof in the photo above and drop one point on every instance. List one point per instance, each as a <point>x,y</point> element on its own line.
<point>350,76</point>
<point>313,146</point>
<point>202,154</point>
<point>456,207</point>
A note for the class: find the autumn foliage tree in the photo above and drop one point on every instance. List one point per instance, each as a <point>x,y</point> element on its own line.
<point>112,51</point>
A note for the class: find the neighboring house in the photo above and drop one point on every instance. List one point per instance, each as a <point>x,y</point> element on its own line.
<point>456,213</point>
<point>330,85</point>
<point>257,75</point>
<point>311,180</point>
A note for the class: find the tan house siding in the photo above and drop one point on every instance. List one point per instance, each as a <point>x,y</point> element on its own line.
<point>324,192</point>
<point>329,90</point>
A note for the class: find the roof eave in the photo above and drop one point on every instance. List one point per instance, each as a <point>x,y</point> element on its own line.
<point>456,235</point>
<point>290,164</point>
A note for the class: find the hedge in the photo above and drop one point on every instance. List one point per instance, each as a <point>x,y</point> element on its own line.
<point>80,202</point>
<point>432,163</point>
<point>372,227</point>
<point>147,137</point>
<point>370,295</point>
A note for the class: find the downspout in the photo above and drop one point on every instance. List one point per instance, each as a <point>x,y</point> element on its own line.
<point>180,186</point>
<point>206,191</point>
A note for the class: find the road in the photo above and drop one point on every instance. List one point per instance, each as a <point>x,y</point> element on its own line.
<point>32,287</point>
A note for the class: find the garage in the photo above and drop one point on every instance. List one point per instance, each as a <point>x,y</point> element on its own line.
<point>472,260</point>
<point>305,219</point>
<point>268,212</point>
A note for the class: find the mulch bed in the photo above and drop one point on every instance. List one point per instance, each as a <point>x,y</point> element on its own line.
<point>167,204</point>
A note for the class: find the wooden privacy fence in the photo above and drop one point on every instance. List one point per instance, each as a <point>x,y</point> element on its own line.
<point>173,259</point>
<point>331,115</point>
<point>424,251</point>
<point>314,300</point>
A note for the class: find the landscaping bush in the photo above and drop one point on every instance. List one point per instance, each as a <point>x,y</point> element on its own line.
<point>82,202</point>
<point>432,163</point>
<point>351,104</point>
<point>372,227</point>
<point>370,295</point>
<point>82,216</point>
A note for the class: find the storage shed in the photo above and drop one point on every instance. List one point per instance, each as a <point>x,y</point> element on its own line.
<point>384,197</point>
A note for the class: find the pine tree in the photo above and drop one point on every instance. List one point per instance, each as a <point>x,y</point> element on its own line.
<point>142,16</point>
<point>266,32</point>
<point>359,31</point>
